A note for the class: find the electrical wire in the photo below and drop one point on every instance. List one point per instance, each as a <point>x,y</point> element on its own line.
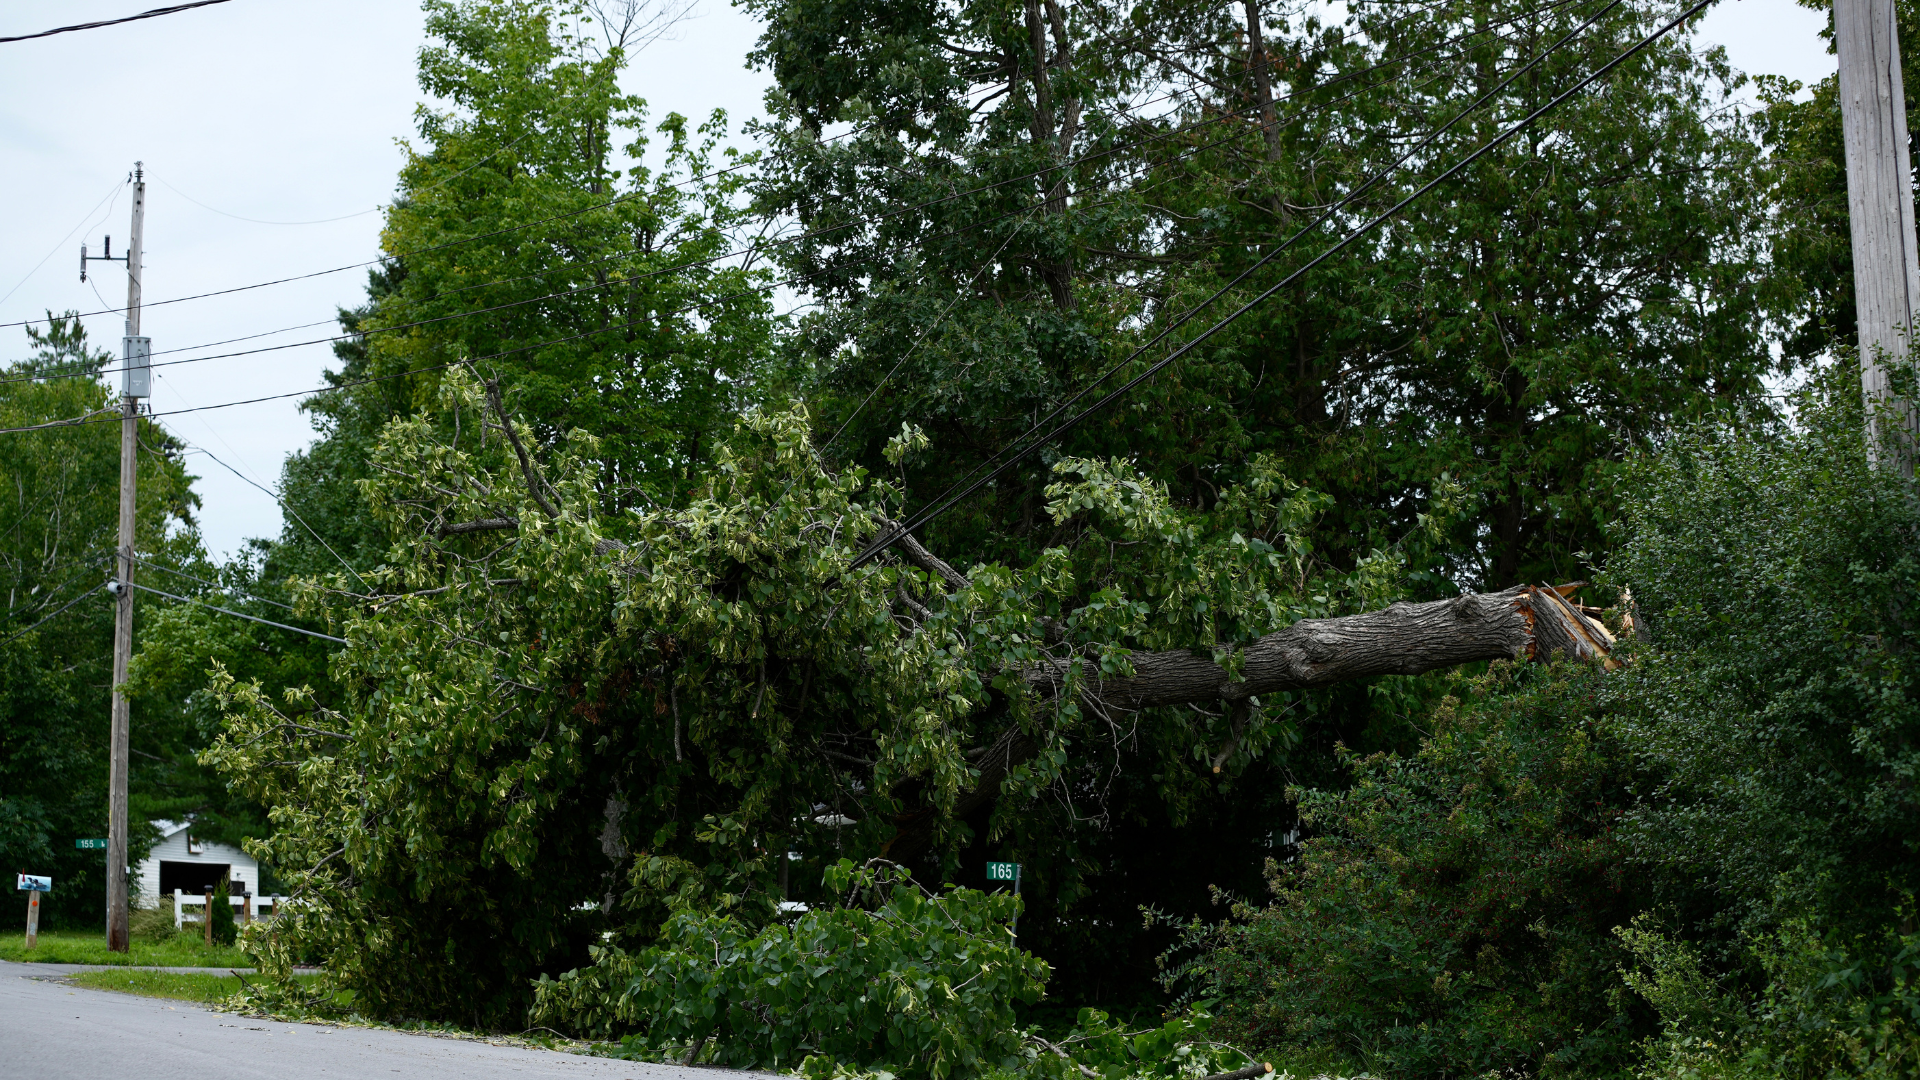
<point>19,633</point>
<point>236,614</point>
<point>88,217</point>
<point>1220,117</point>
<point>1147,167</point>
<point>155,13</point>
<point>282,504</point>
<point>946,502</point>
<point>210,584</point>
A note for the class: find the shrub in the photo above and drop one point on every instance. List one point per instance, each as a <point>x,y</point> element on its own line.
<point>224,931</point>
<point>1833,1006</point>
<point>920,985</point>
<point>153,924</point>
<point>1453,913</point>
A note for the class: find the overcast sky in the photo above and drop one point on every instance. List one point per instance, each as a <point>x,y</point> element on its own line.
<point>284,112</point>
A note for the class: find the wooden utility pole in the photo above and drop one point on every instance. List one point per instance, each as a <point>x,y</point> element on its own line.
<point>134,378</point>
<point>1886,265</point>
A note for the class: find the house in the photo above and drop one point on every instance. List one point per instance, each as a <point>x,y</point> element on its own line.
<point>183,861</point>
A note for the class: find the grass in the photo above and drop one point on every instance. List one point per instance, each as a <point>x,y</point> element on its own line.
<point>75,947</point>
<point>161,984</point>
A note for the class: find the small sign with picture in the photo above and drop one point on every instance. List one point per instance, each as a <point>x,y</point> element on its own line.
<point>35,883</point>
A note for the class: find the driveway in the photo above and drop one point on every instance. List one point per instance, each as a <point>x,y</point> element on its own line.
<point>51,1031</point>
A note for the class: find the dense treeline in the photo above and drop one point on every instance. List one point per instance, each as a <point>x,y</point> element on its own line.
<point>584,504</point>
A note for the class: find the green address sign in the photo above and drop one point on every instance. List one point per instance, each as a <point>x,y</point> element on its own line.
<point>1003,871</point>
<point>90,845</point>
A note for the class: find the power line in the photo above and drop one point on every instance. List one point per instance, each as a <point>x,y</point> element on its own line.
<point>155,13</point>
<point>1145,167</point>
<point>945,503</point>
<point>210,584</point>
<point>1034,174</point>
<point>236,614</point>
<point>283,506</point>
<point>56,611</point>
<point>90,417</point>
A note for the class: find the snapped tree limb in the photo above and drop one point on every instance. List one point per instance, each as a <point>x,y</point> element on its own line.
<point>1524,622</point>
<point>1404,639</point>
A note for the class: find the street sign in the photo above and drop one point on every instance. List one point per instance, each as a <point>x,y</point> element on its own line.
<point>35,883</point>
<point>1003,871</point>
<point>90,845</point>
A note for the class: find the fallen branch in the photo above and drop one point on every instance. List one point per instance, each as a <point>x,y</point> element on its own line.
<point>1404,639</point>
<point>918,555</point>
<point>481,525</point>
<point>1523,622</point>
<point>534,481</point>
<point>1258,1068</point>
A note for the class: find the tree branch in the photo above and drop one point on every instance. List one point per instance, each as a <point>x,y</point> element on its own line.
<point>1404,639</point>
<point>918,555</point>
<point>482,525</point>
<point>534,483</point>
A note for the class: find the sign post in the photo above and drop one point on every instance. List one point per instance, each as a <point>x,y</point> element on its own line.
<point>33,885</point>
<point>1007,871</point>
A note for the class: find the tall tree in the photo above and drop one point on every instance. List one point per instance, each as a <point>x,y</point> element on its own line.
<point>1071,180</point>
<point>59,514</point>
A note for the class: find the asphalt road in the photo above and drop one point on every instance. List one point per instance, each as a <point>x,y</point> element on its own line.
<point>52,1031</point>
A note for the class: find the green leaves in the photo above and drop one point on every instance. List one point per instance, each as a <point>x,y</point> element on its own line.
<point>920,986</point>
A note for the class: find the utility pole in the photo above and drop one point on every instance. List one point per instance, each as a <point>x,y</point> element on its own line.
<point>1886,265</point>
<point>134,377</point>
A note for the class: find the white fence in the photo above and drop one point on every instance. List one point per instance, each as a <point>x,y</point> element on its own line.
<point>246,908</point>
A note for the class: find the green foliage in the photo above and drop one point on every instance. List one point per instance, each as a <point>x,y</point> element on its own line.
<point>920,985</point>
<point>1830,1007</point>
<point>541,201</point>
<point>898,982</point>
<point>224,930</point>
<point>1451,913</point>
<point>1778,712</point>
<point>559,716</point>
<point>154,924</point>
<point>607,669</point>
<point>59,516</point>
<point>1031,191</point>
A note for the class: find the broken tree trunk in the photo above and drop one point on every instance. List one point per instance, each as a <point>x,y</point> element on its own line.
<point>1524,622</point>
<point>1405,639</point>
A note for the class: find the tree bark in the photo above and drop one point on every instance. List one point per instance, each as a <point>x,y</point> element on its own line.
<point>1405,639</point>
<point>1524,622</point>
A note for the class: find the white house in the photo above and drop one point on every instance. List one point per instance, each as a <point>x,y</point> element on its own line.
<point>183,861</point>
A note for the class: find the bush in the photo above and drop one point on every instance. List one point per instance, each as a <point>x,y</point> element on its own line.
<point>1832,1006</point>
<point>153,924</point>
<point>921,985</point>
<point>1778,711</point>
<point>1453,913</point>
<point>224,931</point>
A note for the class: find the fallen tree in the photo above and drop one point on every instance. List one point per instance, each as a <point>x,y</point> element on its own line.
<point>543,706</point>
